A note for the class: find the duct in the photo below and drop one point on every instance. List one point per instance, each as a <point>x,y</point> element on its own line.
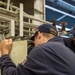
<point>64,4</point>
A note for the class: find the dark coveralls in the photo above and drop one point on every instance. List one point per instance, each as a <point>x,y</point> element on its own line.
<point>51,58</point>
<point>69,43</point>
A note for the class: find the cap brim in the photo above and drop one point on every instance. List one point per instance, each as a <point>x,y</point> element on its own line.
<point>32,38</point>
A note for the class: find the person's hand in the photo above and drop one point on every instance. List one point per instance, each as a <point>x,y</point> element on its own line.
<point>6,46</point>
<point>0,49</point>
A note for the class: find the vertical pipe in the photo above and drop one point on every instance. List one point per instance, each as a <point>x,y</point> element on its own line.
<point>21,19</point>
<point>12,28</point>
<point>8,4</point>
<point>44,9</point>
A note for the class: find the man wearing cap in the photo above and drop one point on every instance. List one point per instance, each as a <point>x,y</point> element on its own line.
<point>70,42</point>
<point>49,57</point>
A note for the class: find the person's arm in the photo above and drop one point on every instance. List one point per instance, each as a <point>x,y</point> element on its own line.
<point>67,41</point>
<point>9,68</point>
<point>6,63</point>
<point>35,63</point>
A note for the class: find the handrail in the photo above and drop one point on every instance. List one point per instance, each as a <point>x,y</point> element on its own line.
<point>14,15</point>
<point>5,4</point>
<point>33,18</point>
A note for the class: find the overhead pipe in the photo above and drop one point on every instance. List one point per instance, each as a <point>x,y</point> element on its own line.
<point>61,17</point>
<point>59,11</point>
<point>64,4</point>
<point>73,0</point>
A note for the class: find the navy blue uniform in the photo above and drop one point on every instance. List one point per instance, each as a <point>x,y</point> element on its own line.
<point>69,43</point>
<point>51,58</point>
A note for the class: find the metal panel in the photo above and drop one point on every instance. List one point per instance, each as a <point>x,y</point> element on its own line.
<point>19,51</point>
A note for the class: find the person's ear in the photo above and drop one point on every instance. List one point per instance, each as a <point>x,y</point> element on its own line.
<point>39,35</point>
<point>0,46</point>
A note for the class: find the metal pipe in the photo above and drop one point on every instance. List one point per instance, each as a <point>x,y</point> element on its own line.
<point>62,12</point>
<point>8,4</point>
<point>5,4</point>
<point>3,26</point>
<point>12,28</point>
<point>64,4</point>
<point>33,18</point>
<point>73,0</point>
<point>12,12</point>
<point>30,25</point>
<point>61,17</point>
<point>21,19</point>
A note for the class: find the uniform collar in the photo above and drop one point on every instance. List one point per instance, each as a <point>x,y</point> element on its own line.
<point>57,38</point>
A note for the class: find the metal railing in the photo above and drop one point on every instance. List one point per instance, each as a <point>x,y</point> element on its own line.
<point>14,22</point>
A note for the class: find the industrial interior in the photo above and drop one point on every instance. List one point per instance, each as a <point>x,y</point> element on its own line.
<point>19,19</point>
